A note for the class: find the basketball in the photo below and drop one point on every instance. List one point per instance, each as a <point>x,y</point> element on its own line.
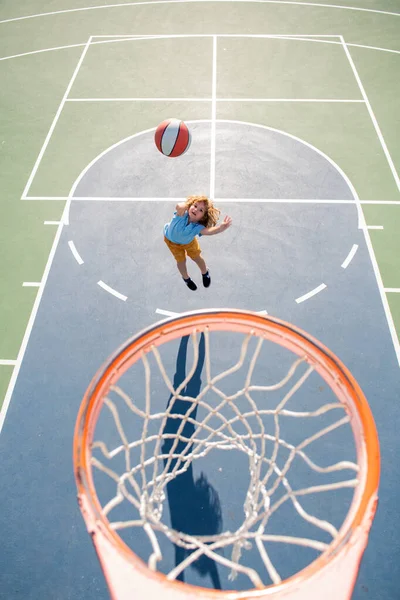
<point>172,137</point>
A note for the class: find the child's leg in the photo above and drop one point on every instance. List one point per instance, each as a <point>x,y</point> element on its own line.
<point>200,262</point>
<point>182,269</point>
<point>194,251</point>
<point>179,254</point>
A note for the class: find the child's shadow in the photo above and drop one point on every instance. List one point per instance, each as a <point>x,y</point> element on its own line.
<point>194,505</point>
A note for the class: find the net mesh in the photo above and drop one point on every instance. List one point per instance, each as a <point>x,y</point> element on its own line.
<point>178,437</point>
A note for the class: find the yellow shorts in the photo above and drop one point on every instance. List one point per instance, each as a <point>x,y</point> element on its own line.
<point>179,251</point>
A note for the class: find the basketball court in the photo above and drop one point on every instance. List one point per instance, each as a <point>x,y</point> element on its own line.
<point>291,108</point>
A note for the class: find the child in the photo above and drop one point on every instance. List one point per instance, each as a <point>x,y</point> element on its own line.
<point>196,216</point>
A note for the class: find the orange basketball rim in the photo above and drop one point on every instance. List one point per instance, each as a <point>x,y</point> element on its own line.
<point>333,574</point>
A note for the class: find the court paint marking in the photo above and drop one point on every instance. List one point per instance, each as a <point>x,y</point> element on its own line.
<point>371,114</point>
<point>166,313</point>
<point>373,48</point>
<point>288,2</point>
<point>7,363</point>
<point>123,38</point>
<point>75,252</point>
<point>109,41</point>
<point>54,123</point>
<point>45,198</point>
<point>287,100</point>
<point>182,199</point>
<point>31,284</point>
<point>29,328</point>
<point>111,290</point>
<point>66,47</point>
<point>169,313</point>
<point>51,222</point>
<point>349,257</point>
<point>385,303</point>
<point>219,35</point>
<point>40,51</point>
<point>213,100</point>
<point>142,100</point>
<point>374,226</point>
<point>312,293</point>
<point>394,290</point>
<point>263,200</point>
<point>213,117</point>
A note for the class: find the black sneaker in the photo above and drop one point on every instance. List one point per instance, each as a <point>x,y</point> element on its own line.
<point>191,284</point>
<point>206,279</point>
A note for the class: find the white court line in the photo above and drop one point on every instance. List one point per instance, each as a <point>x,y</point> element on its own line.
<point>169,313</point>
<point>45,198</point>
<point>349,257</point>
<point>40,51</point>
<point>371,114</point>
<point>212,100</point>
<point>385,303</point>
<point>374,226</point>
<point>160,199</point>
<point>111,290</point>
<point>213,117</point>
<point>7,363</point>
<point>54,123</point>
<point>220,35</point>
<point>142,100</point>
<point>75,252</point>
<point>68,46</point>
<point>51,222</point>
<point>31,284</point>
<point>373,48</point>
<point>155,2</point>
<point>283,201</point>
<point>388,202</point>
<point>161,36</point>
<point>286,100</point>
<point>166,313</point>
<point>28,329</point>
<point>312,293</point>
<point>394,290</point>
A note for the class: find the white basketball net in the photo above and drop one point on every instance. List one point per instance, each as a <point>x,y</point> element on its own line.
<point>147,496</point>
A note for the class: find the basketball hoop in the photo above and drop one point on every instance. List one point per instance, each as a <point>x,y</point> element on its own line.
<point>333,573</point>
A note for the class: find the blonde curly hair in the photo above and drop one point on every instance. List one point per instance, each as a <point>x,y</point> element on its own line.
<point>211,214</point>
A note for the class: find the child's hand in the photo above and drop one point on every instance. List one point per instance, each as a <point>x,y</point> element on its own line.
<point>227,222</point>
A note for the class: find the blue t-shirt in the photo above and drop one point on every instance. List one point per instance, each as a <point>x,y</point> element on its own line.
<point>180,230</point>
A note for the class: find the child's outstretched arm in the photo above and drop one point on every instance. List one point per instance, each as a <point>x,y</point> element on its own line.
<point>227,222</point>
<point>181,208</point>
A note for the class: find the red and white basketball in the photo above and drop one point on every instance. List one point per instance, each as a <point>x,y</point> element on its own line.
<point>172,137</point>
